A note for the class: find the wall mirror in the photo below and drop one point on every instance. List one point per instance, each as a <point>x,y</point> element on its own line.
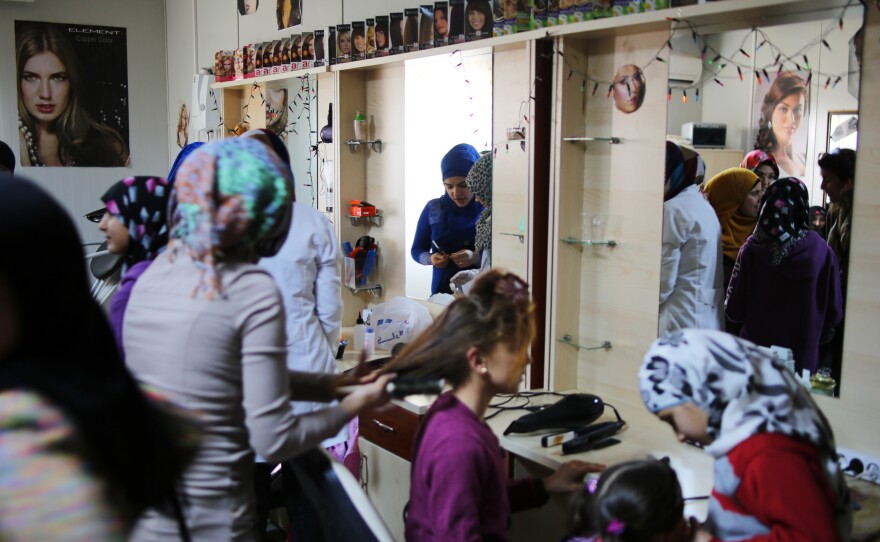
<point>448,101</point>
<point>791,90</point>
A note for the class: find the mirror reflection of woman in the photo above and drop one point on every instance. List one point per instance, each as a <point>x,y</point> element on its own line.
<point>446,232</point>
<point>783,269</point>
<point>691,293</point>
<point>54,127</point>
<point>735,195</point>
<point>782,114</point>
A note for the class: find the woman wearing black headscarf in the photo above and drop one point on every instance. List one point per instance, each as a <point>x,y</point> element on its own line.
<point>83,450</point>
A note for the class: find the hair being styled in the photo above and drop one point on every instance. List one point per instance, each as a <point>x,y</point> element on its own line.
<point>841,162</point>
<point>81,140</point>
<point>635,501</point>
<point>497,310</point>
<point>783,86</point>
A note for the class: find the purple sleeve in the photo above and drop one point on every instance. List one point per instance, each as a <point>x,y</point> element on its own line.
<point>120,301</point>
<point>834,303</point>
<point>526,493</point>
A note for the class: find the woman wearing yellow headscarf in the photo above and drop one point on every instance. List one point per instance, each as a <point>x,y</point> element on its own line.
<point>735,194</point>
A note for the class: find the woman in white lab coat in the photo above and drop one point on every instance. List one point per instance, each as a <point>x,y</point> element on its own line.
<point>691,290</point>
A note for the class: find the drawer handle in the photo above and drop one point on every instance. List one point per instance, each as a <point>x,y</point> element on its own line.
<point>383,427</point>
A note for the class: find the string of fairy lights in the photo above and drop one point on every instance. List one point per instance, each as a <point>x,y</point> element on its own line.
<point>716,63</point>
<point>300,107</point>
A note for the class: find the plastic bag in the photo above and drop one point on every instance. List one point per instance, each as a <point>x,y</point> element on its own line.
<point>398,321</point>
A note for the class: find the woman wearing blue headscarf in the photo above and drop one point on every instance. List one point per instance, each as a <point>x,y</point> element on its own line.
<point>446,233</point>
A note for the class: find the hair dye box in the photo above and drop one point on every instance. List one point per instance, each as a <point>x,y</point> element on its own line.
<point>371,38</point>
<point>552,12</point>
<point>224,65</point>
<point>307,58</point>
<point>457,31</point>
<point>239,65</point>
<point>331,45</point>
<point>343,43</point>
<point>566,12</point>
<point>267,57</point>
<point>411,29</point>
<point>249,57</point>
<point>626,7</point>
<point>498,26</point>
<point>426,26</point>
<point>358,40</point>
<point>395,30</point>
<point>294,52</point>
<point>383,35</point>
<point>478,20</point>
<point>603,8</point>
<point>583,10</point>
<point>525,15</point>
<point>540,14</point>
<point>276,56</point>
<point>441,24</point>
<point>320,55</point>
<point>286,62</point>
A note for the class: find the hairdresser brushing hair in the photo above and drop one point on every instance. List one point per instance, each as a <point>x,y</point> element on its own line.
<point>480,346</point>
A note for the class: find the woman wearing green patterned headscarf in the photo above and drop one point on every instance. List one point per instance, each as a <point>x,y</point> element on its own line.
<point>205,326</point>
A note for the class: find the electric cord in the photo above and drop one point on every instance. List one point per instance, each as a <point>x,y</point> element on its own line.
<point>526,395</point>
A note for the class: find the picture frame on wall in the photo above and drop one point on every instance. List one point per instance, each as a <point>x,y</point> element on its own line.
<point>843,130</point>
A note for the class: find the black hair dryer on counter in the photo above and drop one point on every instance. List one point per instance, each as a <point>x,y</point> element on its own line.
<point>327,131</point>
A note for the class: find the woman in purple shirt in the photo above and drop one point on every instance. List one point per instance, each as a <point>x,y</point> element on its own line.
<point>785,287</point>
<point>459,489</point>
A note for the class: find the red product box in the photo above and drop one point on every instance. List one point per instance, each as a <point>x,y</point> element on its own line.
<point>361,208</point>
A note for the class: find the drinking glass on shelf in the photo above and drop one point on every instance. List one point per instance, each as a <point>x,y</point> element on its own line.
<point>593,227</point>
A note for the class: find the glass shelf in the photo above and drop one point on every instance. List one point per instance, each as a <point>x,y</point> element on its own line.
<point>375,289</point>
<point>375,219</point>
<point>374,144</point>
<point>611,140</point>
<point>571,341</point>
<point>588,243</point>
<point>520,236</point>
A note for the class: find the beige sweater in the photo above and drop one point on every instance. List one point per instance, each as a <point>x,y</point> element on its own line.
<point>225,360</point>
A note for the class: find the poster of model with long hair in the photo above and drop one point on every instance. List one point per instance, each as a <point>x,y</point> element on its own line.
<point>72,95</point>
<point>782,108</point>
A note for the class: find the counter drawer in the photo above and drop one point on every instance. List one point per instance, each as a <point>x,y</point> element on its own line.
<point>394,429</point>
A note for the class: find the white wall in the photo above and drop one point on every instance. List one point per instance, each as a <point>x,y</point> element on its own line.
<point>79,189</point>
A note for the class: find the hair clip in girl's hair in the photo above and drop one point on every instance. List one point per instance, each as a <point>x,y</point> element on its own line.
<point>513,287</point>
<point>616,527</point>
<point>591,485</point>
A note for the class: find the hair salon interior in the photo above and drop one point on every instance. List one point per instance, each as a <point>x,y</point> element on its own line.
<point>452,280</point>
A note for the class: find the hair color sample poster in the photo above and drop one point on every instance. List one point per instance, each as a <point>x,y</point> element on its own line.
<point>72,94</point>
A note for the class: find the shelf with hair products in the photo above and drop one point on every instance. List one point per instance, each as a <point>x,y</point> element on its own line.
<point>273,78</point>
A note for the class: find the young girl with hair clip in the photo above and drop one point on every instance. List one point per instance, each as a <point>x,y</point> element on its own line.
<point>636,501</point>
<point>479,345</point>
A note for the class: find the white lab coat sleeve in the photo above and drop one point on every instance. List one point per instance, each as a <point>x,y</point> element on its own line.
<point>328,285</point>
<point>674,237</point>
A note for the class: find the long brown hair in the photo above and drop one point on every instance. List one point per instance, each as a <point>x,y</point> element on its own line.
<point>497,310</point>
<point>82,141</point>
<point>784,86</point>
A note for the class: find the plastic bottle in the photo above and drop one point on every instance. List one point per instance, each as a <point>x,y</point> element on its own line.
<point>360,123</point>
<point>358,333</point>
<point>369,342</point>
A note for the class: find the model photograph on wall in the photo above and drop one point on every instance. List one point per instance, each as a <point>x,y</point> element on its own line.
<point>72,95</point>
<point>782,110</point>
<point>288,13</point>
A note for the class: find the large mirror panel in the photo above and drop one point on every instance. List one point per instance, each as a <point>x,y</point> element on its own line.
<point>448,102</point>
<point>789,95</point>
